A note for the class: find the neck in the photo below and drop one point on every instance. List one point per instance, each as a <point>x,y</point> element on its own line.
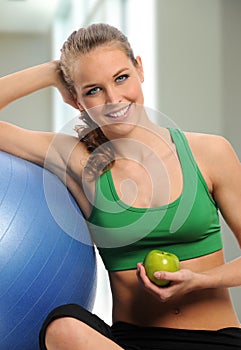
<point>141,142</point>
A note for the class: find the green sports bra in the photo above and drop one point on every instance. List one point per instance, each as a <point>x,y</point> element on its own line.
<point>188,227</point>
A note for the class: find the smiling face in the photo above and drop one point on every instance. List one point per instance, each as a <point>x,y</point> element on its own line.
<point>108,87</point>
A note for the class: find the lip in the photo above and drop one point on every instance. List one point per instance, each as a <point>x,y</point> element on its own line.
<point>119,114</point>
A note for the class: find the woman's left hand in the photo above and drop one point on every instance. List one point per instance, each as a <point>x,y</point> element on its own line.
<point>182,282</point>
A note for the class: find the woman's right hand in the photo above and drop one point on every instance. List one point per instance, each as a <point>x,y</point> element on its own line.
<point>60,84</point>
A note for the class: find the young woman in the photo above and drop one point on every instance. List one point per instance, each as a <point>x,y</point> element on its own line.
<point>141,187</point>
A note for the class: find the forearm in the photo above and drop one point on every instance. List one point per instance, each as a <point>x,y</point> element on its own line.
<point>25,82</point>
<point>224,276</point>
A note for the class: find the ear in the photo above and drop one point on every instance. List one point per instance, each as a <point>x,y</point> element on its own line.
<point>78,104</point>
<point>140,68</point>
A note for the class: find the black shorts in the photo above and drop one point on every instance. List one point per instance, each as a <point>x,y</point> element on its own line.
<point>131,337</point>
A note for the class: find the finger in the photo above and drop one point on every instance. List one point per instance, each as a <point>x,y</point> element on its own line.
<point>142,271</point>
<point>168,276</point>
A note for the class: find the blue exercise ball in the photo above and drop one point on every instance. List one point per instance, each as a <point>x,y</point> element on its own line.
<point>46,255</point>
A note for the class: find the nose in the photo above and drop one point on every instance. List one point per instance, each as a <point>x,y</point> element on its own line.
<point>113,95</point>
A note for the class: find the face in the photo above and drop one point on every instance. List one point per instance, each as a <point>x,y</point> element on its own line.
<point>108,87</point>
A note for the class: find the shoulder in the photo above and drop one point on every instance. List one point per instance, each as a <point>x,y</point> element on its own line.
<point>200,138</point>
<point>209,144</point>
<point>73,152</point>
<point>66,155</point>
<point>214,154</point>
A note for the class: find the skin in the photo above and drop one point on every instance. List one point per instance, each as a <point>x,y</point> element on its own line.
<point>198,297</point>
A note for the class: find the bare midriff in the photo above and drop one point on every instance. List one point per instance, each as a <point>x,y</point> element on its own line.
<point>208,309</point>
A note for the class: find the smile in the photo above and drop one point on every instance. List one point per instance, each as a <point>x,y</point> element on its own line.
<point>120,114</point>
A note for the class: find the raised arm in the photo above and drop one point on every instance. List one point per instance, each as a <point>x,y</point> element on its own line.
<point>27,144</point>
<point>25,82</point>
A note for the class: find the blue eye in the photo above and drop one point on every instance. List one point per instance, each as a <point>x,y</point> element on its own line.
<point>122,77</point>
<point>93,91</point>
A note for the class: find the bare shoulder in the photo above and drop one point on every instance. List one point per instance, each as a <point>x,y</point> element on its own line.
<point>209,145</point>
<point>71,151</point>
<point>215,156</point>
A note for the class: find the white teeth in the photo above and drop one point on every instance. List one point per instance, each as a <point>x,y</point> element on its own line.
<point>120,113</point>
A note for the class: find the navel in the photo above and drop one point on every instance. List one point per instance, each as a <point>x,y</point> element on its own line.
<point>176,311</point>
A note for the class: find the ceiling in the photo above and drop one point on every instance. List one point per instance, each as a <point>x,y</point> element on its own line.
<point>27,15</point>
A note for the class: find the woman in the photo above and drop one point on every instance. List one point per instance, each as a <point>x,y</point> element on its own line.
<point>141,187</point>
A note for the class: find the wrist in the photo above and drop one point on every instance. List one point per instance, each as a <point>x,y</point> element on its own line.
<point>50,71</point>
<point>208,280</point>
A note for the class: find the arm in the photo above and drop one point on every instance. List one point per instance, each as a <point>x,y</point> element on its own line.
<point>225,175</point>
<point>33,145</point>
<point>62,154</point>
<point>25,82</point>
<point>224,171</point>
<point>20,142</point>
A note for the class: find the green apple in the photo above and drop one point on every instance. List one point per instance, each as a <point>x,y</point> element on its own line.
<point>157,260</point>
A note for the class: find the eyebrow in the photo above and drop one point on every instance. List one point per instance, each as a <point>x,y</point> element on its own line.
<point>88,86</point>
<point>120,71</point>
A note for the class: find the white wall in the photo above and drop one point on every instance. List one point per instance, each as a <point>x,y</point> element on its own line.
<point>231,71</point>
<point>19,51</point>
<point>189,63</point>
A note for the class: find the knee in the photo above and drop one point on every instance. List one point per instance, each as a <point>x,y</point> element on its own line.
<point>64,333</point>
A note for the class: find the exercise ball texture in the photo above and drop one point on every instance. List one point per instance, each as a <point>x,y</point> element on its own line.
<point>46,255</point>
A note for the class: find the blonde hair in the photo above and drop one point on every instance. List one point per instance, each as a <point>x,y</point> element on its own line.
<point>79,43</point>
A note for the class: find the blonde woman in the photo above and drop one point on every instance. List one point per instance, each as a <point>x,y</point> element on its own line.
<point>141,187</point>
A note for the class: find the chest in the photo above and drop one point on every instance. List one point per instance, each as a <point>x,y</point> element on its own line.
<point>154,181</point>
